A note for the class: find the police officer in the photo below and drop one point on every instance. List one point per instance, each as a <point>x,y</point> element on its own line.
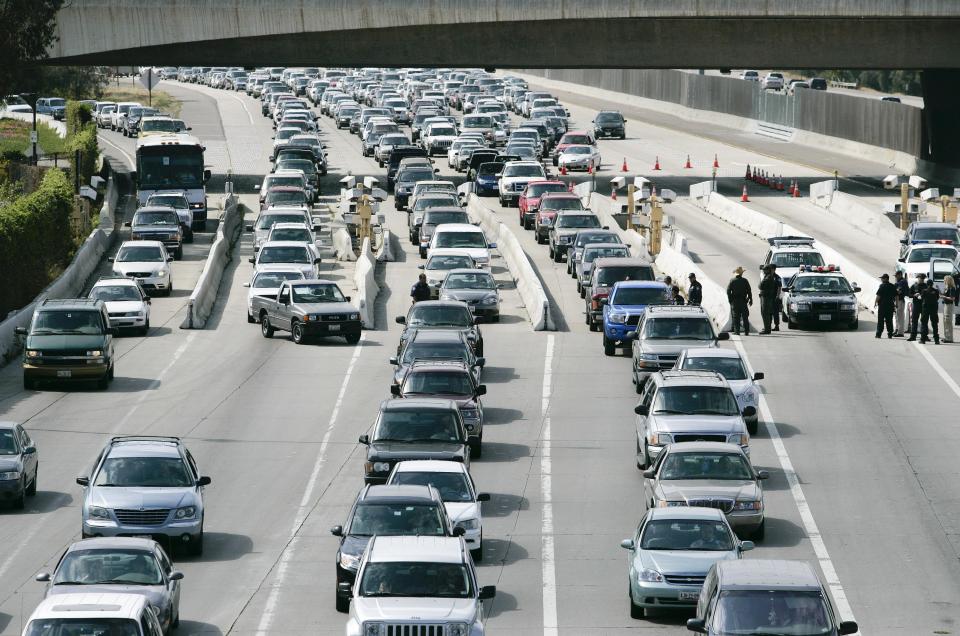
<point>903,290</point>
<point>740,295</point>
<point>768,298</point>
<point>694,290</point>
<point>885,303</point>
<point>420,290</point>
<point>916,299</point>
<point>676,297</point>
<point>930,311</point>
<point>778,304</point>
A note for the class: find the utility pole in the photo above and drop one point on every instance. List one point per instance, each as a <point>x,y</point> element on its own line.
<point>904,206</point>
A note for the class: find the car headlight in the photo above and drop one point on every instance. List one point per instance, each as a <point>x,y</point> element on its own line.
<point>649,576</point>
<point>740,439</point>
<point>349,561</point>
<point>618,319</point>
<point>747,505</point>
<point>94,353</point>
<point>650,357</point>
<point>470,413</point>
<point>187,512</point>
<point>446,297</point>
<point>748,395</point>
<point>659,439</point>
<point>11,475</point>
<point>434,282</point>
<point>31,353</point>
<point>381,467</point>
<point>671,504</point>
<point>848,306</point>
<point>161,272</point>
<point>490,300</point>
<point>469,524</point>
<point>457,629</point>
<point>96,512</point>
<point>372,629</point>
<point>354,316</point>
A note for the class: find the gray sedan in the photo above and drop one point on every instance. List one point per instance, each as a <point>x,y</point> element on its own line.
<point>709,475</point>
<point>477,288</point>
<point>120,565</point>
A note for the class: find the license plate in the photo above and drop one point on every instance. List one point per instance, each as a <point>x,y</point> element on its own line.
<point>689,596</point>
<point>333,327</point>
<point>65,373</point>
<point>825,316</point>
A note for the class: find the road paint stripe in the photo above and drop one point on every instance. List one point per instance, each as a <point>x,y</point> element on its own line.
<point>547,553</point>
<point>244,104</point>
<point>303,510</point>
<point>936,367</point>
<point>131,163</point>
<point>806,514</point>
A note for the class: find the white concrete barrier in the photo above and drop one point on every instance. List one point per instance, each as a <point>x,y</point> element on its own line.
<point>390,247</point>
<point>674,261</point>
<point>855,212</point>
<point>521,271</point>
<point>702,189</point>
<point>366,284</point>
<point>343,245</point>
<point>204,296</point>
<point>605,208</point>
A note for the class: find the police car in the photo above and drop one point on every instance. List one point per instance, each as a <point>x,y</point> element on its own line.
<point>929,232</point>
<point>820,295</point>
<point>917,257</point>
<point>789,253</point>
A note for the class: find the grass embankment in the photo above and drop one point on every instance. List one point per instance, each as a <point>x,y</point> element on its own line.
<point>15,137</point>
<point>128,93</point>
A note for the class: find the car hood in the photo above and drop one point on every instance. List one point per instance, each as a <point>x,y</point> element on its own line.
<point>487,178</point>
<point>354,545</point>
<point>674,347</point>
<point>694,562</point>
<point>425,609</point>
<point>118,306</point>
<point>10,463</point>
<point>687,489</point>
<point>700,423</point>
<point>151,229</point>
<point>65,341</point>
<point>481,253</point>
<point>563,231</point>
<point>467,294</point>
<point>137,498</point>
<point>418,450</point>
<point>807,297</point>
<point>138,266</point>
<point>461,511</point>
<point>739,386</point>
<point>324,308</point>
<point>155,594</point>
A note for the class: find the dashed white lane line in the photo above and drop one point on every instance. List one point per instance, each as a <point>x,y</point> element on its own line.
<point>269,610</point>
<point>806,514</point>
<point>130,162</point>
<point>547,555</point>
<point>148,392</point>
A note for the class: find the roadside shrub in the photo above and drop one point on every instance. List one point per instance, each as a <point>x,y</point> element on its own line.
<point>77,117</point>
<point>85,141</point>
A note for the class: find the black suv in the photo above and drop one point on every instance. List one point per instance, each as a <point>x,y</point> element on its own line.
<point>387,511</point>
<point>68,340</point>
<point>414,428</point>
<point>433,315</point>
<point>398,154</point>
<point>609,123</point>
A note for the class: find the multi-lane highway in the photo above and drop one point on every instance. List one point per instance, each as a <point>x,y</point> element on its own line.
<point>858,433</point>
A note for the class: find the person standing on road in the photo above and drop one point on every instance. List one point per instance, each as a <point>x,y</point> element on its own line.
<point>916,302</point>
<point>694,290</point>
<point>768,298</point>
<point>903,290</point>
<point>740,295</point>
<point>778,303</point>
<point>677,297</point>
<point>420,290</point>
<point>951,297</point>
<point>885,302</point>
<point>930,308</point>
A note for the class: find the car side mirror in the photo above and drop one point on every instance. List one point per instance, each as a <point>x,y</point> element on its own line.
<point>347,298</point>
<point>491,246</point>
<point>83,481</point>
<point>43,577</point>
<point>29,450</point>
<point>482,390</point>
<point>641,409</point>
<point>401,320</point>
<point>762,474</point>
<point>246,284</point>
<point>458,531</point>
<point>606,227</point>
<point>628,544</point>
<point>487,592</point>
<point>250,260</point>
<point>316,261</point>
<point>650,473</point>
<point>757,376</point>
<point>696,625</point>
<point>364,439</point>
<point>483,496</point>
<point>248,227</point>
<point>20,331</point>
<point>723,335</point>
<point>604,301</point>
<point>749,411</point>
<point>394,361</point>
<point>176,575</point>
<point>110,259</point>
<point>169,259</point>
<point>126,224</point>
<point>395,390</point>
<point>481,362</point>
<point>856,289</point>
<point>345,588</point>
<point>788,288</point>
<point>421,266</point>
<point>206,175</point>
<point>746,546</point>
<point>848,627</point>
<point>204,481</point>
<point>337,531</point>
<point>902,260</point>
<point>903,241</point>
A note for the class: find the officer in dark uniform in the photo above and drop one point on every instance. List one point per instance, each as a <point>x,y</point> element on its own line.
<point>694,290</point>
<point>916,300</point>
<point>885,303</point>
<point>420,290</point>
<point>768,298</point>
<point>778,303</point>
<point>740,295</point>
<point>930,311</point>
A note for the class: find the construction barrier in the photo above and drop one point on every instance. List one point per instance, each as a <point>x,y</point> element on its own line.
<point>367,288</point>
<point>390,247</point>
<point>855,212</point>
<point>343,245</point>
<point>204,295</point>
<point>674,261</point>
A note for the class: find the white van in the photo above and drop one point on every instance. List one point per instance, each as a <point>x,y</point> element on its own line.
<point>120,113</point>
<point>459,238</point>
<point>114,614</point>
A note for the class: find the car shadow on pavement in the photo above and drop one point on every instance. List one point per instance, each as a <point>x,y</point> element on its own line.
<point>222,546</point>
<point>783,429</point>
<point>502,603</point>
<point>196,628</point>
<point>44,502</point>
<point>667,616</point>
<point>502,552</point>
<point>503,452</point>
<point>512,319</point>
<point>781,533</point>
<point>497,415</point>
<point>124,384</point>
<point>4,621</point>
<point>504,505</point>
<point>497,375</point>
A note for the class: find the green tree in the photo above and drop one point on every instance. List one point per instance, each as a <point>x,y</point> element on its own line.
<point>28,29</point>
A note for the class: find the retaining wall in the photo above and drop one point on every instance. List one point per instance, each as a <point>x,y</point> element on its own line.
<point>204,295</point>
<point>366,284</point>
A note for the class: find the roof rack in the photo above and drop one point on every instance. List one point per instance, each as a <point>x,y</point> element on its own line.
<point>670,373</point>
<point>428,361</point>
<point>47,302</point>
<point>117,439</point>
<point>678,308</point>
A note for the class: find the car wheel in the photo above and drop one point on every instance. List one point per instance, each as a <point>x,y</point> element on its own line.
<point>557,256</point>
<point>250,319</point>
<point>265,328</point>
<point>853,325</point>
<point>297,333</point>
<point>110,373</point>
<point>635,610</point>
<point>145,328</point>
<point>195,547</point>
<point>582,290</point>
<point>639,458</point>
<point>423,253</point>
<point>791,324</point>
<point>104,382</point>
<point>594,326</point>
<point>28,383</point>
<point>479,350</point>
<point>761,531</point>
<point>32,488</point>
<point>353,338</point>
<point>342,603</point>
<point>175,623</point>
<point>608,348</point>
<point>476,451</point>
<point>503,203</point>
<point>753,427</point>
<point>178,255</point>
<point>478,553</point>
<point>20,501</point>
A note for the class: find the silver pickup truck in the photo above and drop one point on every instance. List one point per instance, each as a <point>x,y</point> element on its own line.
<point>308,309</point>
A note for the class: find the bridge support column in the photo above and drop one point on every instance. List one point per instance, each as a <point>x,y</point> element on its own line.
<point>941,124</point>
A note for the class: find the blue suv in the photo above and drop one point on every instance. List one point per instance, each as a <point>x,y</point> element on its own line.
<point>487,181</point>
<point>623,307</point>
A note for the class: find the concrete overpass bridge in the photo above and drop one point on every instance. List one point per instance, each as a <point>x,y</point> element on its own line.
<point>868,34</point>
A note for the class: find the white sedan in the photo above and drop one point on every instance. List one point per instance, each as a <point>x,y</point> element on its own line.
<point>917,259</point>
<point>579,157</point>
<point>266,283</point>
<point>729,364</point>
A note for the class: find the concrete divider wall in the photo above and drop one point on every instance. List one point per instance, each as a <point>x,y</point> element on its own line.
<point>343,245</point>
<point>204,295</point>
<point>390,248</point>
<point>366,284</point>
<point>674,261</point>
<point>521,271</point>
<point>866,218</point>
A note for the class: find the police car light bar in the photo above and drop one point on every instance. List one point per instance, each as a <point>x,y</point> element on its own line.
<point>780,241</point>
<point>933,241</point>
<point>820,269</point>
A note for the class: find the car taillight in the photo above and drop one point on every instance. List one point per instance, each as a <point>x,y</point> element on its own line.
<point>595,300</point>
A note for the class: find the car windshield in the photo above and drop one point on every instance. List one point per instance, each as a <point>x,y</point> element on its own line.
<point>686,534</point>
<point>585,238</point>
<point>609,118</point>
<point>420,580</point>
<point>159,125</point>
<point>144,472</point>
<point>8,443</point>
<point>678,329</point>
<point>284,254</point>
<point>438,382</point>
<point>611,275</point>
<point>460,240</point>
<point>412,175</point>
<point>527,170</point>
<point>936,234</point>
<point>490,168</point>
<point>550,204</point>
<point>924,254</point>
<point>267,221</point>
<point>484,121</point>
<point>577,220</point>
<point>822,285</point>
<point>286,133</point>
<point>317,293</point>
<point>575,139</point>
<point>155,218</point>
<point>273,182</point>
<point>436,218</point>
<point>578,150</point>
<point>786,612</point>
<point>639,296</point>
<point>140,254</point>
<point>291,234</point>
<point>434,350</point>
<point>82,627</point>
<point>591,254</point>
<point>170,201</point>
<point>304,165</point>
<point>729,368</point>
<point>394,140</point>
<point>443,262</point>
<point>470,280</point>
<point>453,487</point>
<point>295,197</point>
<point>443,131</point>
<point>433,201</point>
<point>115,293</point>
<point>440,316</point>
<point>539,189</point>
<point>63,321</point>
<point>432,425</point>
<point>722,466</point>
<point>396,519</point>
<point>273,280</point>
<point>796,259</point>
<point>113,566</point>
<point>695,400</point>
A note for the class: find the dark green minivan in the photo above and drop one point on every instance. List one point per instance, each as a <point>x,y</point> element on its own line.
<point>69,339</point>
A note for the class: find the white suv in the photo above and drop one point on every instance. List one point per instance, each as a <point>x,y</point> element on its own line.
<point>431,585</point>
<point>515,177</point>
<point>94,613</point>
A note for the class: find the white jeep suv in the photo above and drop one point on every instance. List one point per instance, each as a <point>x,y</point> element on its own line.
<point>515,177</point>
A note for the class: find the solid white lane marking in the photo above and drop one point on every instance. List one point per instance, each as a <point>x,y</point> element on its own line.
<point>131,163</point>
<point>303,510</point>
<point>244,104</point>
<point>936,367</point>
<point>547,554</point>
<point>806,514</point>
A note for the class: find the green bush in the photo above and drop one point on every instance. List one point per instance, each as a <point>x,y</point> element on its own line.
<point>35,241</point>
<point>86,142</point>
<point>77,116</point>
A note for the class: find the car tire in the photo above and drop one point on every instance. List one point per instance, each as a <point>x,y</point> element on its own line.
<point>476,450</point>
<point>636,611</point>
<point>195,547</point>
<point>297,333</point>
<point>608,348</point>
<point>791,324</point>
<point>178,255</point>
<point>265,328</point>
<point>103,382</point>
<point>759,533</point>
<point>503,202</point>
<point>557,256</point>
<point>594,326</point>
<point>250,319</point>
<point>582,290</point>
<point>189,235</point>
<point>20,502</point>
<point>854,325</point>
<point>28,383</point>
<point>32,488</point>
<point>423,253</point>
<point>753,427</point>
<point>352,338</point>
<point>175,623</point>
<point>341,603</point>
<point>479,349</point>
<point>478,553</point>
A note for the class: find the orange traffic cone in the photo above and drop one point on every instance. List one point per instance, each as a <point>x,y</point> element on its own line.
<point>780,183</point>
<point>613,193</point>
<point>563,170</point>
<point>796,189</point>
<point>656,166</point>
<point>744,197</point>
<point>688,165</point>
<point>716,162</point>
<point>590,169</point>
<point>749,174</point>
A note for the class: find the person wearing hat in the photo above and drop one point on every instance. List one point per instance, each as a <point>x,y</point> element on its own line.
<point>916,304</point>
<point>930,313</point>
<point>903,290</point>
<point>885,302</point>
<point>740,295</point>
<point>420,290</point>
<point>768,298</point>
<point>694,290</point>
